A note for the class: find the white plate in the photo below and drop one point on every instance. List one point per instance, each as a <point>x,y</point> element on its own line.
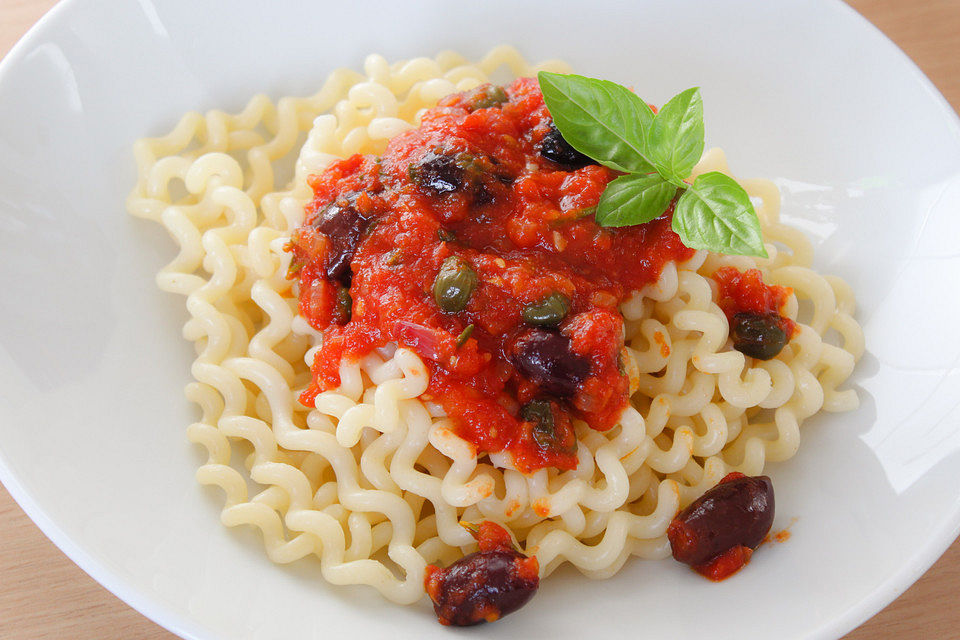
<point>92,367</point>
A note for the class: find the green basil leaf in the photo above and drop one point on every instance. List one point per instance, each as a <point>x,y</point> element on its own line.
<point>675,139</point>
<point>634,199</point>
<point>715,213</point>
<point>600,119</point>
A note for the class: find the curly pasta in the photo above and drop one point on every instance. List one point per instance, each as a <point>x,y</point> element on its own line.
<point>373,480</point>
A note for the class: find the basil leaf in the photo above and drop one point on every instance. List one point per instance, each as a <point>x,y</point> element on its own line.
<point>675,139</point>
<point>634,199</point>
<point>600,119</point>
<point>716,214</point>
<point>612,125</point>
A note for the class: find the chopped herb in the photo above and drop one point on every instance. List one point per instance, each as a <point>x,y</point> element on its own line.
<point>464,336</point>
<point>343,309</point>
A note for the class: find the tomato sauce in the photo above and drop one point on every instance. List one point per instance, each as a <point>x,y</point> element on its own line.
<point>745,291</point>
<point>471,182</point>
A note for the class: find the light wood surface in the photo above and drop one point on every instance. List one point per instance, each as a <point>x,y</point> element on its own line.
<point>43,595</point>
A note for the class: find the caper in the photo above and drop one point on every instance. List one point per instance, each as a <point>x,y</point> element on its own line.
<point>549,312</point>
<point>486,97</point>
<point>446,235</point>
<point>343,307</point>
<point>758,335</point>
<point>539,413</point>
<point>454,284</point>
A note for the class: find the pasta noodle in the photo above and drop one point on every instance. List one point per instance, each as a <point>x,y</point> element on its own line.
<point>373,480</point>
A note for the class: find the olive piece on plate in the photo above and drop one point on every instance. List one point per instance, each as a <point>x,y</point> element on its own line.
<point>718,532</point>
<point>483,586</point>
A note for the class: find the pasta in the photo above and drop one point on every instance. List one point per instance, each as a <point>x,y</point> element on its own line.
<point>373,480</point>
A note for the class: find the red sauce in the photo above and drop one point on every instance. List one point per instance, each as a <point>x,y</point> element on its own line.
<point>525,228</point>
<point>744,291</point>
<point>779,537</point>
<point>726,564</point>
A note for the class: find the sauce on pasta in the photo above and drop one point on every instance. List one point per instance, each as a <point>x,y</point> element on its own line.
<point>471,242</point>
<point>745,292</point>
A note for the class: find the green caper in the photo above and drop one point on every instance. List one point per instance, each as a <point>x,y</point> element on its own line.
<point>486,97</point>
<point>539,413</point>
<point>758,335</point>
<point>446,235</point>
<point>343,307</point>
<point>549,312</point>
<point>454,284</point>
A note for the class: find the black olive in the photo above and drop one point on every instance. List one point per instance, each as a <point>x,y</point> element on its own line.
<point>737,511</point>
<point>343,225</point>
<point>549,312</point>
<point>437,174</point>
<point>481,587</point>
<point>546,358</point>
<point>479,178</point>
<point>758,335</point>
<point>481,194</point>
<point>554,148</point>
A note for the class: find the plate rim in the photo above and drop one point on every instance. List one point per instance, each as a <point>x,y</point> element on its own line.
<point>887,592</point>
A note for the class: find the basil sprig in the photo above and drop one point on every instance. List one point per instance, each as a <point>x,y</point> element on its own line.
<point>612,125</point>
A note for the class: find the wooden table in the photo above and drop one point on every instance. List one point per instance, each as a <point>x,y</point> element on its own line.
<point>43,595</point>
